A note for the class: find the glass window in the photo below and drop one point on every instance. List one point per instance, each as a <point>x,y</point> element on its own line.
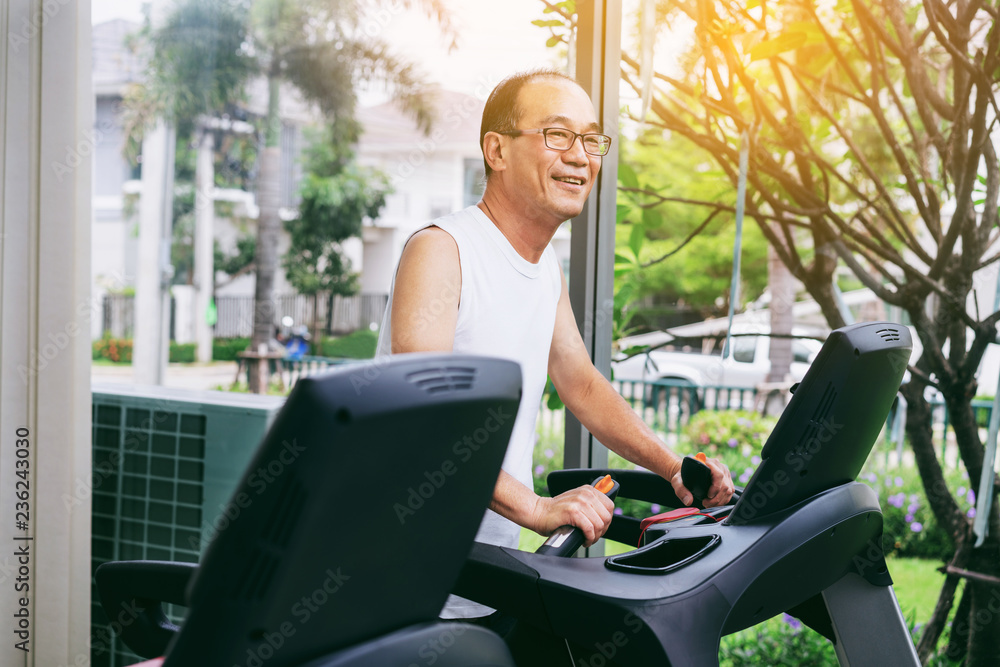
<point>744,348</point>
<point>800,352</point>
<point>475,180</point>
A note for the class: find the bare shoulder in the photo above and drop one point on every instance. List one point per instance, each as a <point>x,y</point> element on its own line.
<point>432,241</point>
<point>427,293</point>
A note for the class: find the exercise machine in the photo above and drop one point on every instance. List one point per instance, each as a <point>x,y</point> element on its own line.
<point>803,538</point>
<point>347,530</point>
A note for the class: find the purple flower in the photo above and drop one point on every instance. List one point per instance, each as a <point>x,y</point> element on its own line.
<point>745,477</point>
<point>916,526</point>
<point>539,469</point>
<point>732,442</point>
<point>909,517</point>
<point>794,623</point>
<point>914,498</point>
<point>654,508</point>
<point>899,481</point>
<point>618,511</point>
<point>897,500</point>
<point>961,490</point>
<point>549,453</point>
<point>755,460</point>
<point>912,507</point>
<point>871,477</point>
<point>971,513</point>
<point>971,497</point>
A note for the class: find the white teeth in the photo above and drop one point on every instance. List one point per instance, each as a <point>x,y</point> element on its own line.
<point>574,181</point>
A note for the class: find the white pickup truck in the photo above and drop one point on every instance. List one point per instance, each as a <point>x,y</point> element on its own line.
<point>702,365</point>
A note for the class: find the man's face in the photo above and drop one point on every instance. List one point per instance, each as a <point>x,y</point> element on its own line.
<point>551,185</point>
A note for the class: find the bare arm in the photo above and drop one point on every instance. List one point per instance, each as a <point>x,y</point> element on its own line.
<point>602,410</point>
<point>426,295</point>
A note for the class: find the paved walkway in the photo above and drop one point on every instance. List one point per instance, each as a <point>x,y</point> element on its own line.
<point>181,376</point>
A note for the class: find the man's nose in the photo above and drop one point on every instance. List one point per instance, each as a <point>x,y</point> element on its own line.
<point>575,153</point>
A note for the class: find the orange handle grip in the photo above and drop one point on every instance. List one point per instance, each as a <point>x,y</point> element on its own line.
<point>605,484</point>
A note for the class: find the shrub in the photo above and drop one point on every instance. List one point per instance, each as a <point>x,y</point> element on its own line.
<point>734,436</point>
<point>909,528</point>
<point>782,640</point>
<point>183,352</point>
<point>118,350</point>
<point>226,349</point>
<point>357,345</point>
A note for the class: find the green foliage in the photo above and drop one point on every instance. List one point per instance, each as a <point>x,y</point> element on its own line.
<point>119,350</point>
<point>337,195</point>
<point>734,436</point>
<point>330,148</point>
<point>200,58</point>
<point>909,528</point>
<point>184,353</point>
<point>781,640</point>
<point>240,259</point>
<point>274,388</point>
<point>655,170</point>
<point>226,349</point>
<point>357,345</point>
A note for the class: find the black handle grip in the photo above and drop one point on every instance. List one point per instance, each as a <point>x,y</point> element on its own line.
<point>143,586</point>
<point>565,540</point>
<point>697,477</point>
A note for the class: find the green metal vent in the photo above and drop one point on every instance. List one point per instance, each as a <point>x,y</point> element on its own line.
<point>165,463</point>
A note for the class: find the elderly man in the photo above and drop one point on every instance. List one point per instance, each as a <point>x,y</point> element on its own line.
<point>486,280</point>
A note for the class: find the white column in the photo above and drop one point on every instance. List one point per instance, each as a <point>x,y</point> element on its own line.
<point>204,224</point>
<point>46,143</point>
<point>152,300</point>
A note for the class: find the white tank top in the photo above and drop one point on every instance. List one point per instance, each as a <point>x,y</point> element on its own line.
<point>507,309</point>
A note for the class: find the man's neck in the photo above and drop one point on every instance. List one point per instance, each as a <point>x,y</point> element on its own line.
<point>528,237</point>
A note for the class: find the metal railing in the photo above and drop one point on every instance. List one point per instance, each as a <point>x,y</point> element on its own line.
<point>668,405</point>
<point>235,313</point>
<point>295,369</point>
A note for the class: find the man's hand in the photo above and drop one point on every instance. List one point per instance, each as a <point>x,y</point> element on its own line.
<point>719,492</point>
<point>584,507</point>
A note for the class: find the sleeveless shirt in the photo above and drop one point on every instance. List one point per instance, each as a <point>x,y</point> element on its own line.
<point>507,309</point>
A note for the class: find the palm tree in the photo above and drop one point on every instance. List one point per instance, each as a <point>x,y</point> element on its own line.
<point>320,48</point>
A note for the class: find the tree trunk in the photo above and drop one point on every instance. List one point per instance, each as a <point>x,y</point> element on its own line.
<point>268,226</point>
<point>957,641</point>
<point>984,615</point>
<point>935,624</point>
<point>204,216</point>
<point>779,280</point>
<point>317,339</point>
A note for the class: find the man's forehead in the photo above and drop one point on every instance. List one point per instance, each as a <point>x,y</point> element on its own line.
<point>553,101</point>
<point>566,121</point>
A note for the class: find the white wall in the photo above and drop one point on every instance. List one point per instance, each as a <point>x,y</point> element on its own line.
<point>46,140</point>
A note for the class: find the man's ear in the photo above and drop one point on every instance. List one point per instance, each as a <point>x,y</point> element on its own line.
<point>493,151</point>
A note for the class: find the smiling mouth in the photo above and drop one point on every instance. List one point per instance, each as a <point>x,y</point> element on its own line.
<point>569,179</point>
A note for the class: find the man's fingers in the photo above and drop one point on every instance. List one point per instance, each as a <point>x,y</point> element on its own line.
<point>721,490</point>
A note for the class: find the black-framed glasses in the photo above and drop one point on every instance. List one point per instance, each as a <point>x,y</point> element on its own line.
<point>561,139</point>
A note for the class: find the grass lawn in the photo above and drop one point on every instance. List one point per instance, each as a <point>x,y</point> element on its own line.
<point>917,584</point>
<point>108,362</point>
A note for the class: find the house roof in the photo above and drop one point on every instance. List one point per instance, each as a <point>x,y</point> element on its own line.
<point>457,119</point>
